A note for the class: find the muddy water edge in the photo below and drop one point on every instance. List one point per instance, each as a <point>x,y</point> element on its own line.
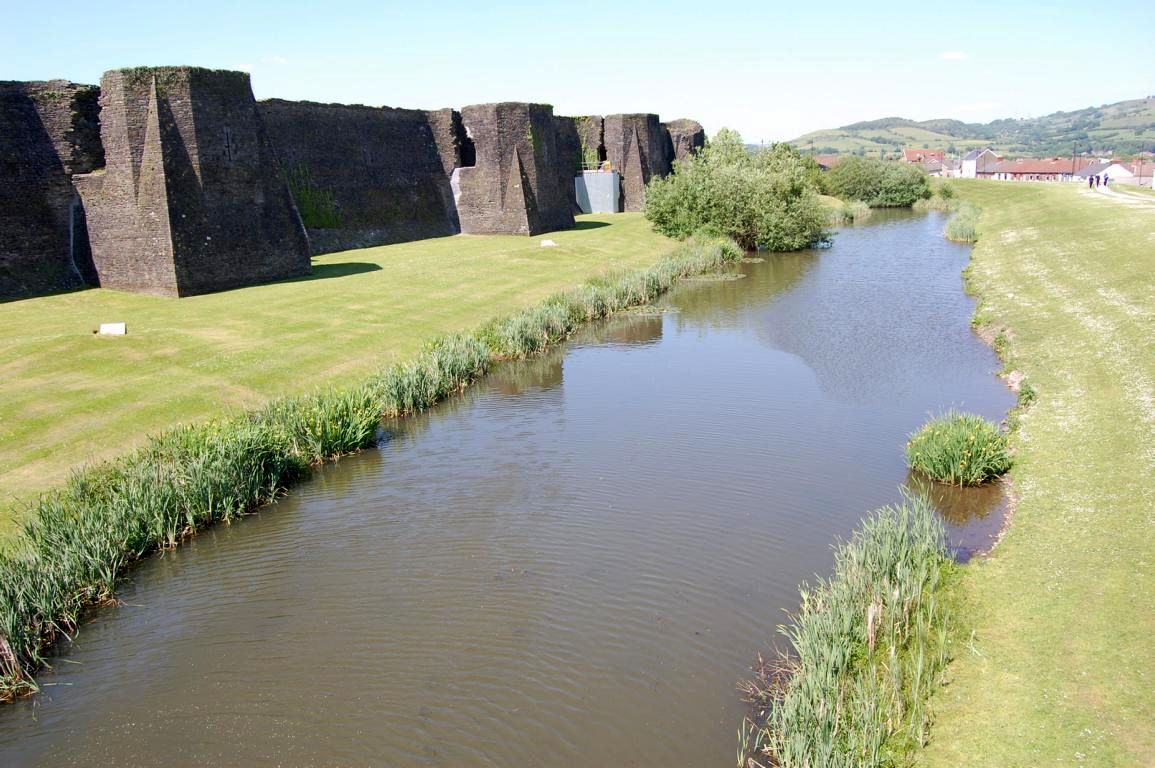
<point>570,564</point>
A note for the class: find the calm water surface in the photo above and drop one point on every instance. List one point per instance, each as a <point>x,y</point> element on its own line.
<point>571,564</point>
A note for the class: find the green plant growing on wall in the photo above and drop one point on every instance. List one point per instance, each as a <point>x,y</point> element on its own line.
<point>589,156</point>
<point>317,206</point>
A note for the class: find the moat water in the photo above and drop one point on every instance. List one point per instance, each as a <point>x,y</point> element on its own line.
<point>571,564</point>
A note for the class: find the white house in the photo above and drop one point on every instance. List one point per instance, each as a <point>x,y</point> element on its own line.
<point>978,161</point>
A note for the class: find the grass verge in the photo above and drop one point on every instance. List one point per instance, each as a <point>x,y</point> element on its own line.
<point>1059,666</point>
<point>868,647</point>
<point>79,539</point>
<point>68,397</point>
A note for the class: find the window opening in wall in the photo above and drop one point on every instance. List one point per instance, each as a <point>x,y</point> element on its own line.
<point>468,150</point>
<point>228,144</point>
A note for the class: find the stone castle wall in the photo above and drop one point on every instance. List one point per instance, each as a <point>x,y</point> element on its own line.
<point>192,199</point>
<point>514,188</point>
<point>48,131</point>
<point>366,176</point>
<point>686,137</point>
<point>173,180</point>
<point>638,147</point>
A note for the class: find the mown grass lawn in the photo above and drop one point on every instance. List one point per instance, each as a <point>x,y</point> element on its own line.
<point>68,397</point>
<point>1060,668</point>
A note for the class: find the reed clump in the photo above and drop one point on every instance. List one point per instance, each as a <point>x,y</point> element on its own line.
<point>79,539</point>
<point>963,226</point>
<point>868,648</point>
<point>959,449</point>
<point>850,212</point>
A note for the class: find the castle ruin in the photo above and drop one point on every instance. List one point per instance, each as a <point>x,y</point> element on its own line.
<point>176,181</point>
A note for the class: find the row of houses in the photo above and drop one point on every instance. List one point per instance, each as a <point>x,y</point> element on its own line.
<point>987,164</point>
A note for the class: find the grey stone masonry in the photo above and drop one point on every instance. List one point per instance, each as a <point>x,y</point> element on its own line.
<point>515,186</point>
<point>638,147</point>
<point>192,199</point>
<point>48,131</point>
<point>686,137</point>
<point>364,176</point>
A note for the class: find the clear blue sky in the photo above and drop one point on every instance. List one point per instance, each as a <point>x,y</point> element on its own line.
<point>769,71</point>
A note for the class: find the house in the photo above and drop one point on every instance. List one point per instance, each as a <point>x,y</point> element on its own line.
<point>923,156</point>
<point>978,161</point>
<point>1094,169</point>
<point>1035,169</point>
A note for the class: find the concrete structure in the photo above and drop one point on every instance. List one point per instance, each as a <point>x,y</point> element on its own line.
<point>191,199</point>
<point>599,191</point>
<point>48,131</point>
<point>638,148</point>
<point>514,188</point>
<point>174,181</point>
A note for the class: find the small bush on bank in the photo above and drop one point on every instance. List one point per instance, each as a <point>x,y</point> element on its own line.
<point>768,199</point>
<point>869,647</point>
<point>959,449</point>
<point>878,183</point>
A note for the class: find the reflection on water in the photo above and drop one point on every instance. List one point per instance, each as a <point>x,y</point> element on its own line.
<point>973,516</point>
<point>572,563</point>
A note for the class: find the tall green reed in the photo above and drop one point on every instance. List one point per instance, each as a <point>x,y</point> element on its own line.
<point>868,646</point>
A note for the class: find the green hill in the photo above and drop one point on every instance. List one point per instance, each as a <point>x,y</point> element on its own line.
<point>1122,128</point>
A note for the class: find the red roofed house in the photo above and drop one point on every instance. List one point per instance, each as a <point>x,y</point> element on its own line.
<point>923,156</point>
<point>1034,169</point>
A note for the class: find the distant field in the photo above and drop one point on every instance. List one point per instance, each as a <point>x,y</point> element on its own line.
<point>68,397</point>
<point>1123,127</point>
<point>1057,665</point>
<point>888,140</point>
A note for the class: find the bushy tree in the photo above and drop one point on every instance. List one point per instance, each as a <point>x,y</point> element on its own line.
<point>765,199</point>
<point>877,183</point>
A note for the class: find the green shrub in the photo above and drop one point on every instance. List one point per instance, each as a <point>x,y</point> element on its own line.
<point>878,183</point>
<point>868,648</point>
<point>316,206</point>
<point>959,449</point>
<point>766,200</point>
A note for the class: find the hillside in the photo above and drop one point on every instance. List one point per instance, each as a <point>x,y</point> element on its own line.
<point>1122,128</point>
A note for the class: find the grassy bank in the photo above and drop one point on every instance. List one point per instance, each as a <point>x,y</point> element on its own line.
<point>867,649</point>
<point>78,540</point>
<point>1058,667</point>
<point>68,397</point>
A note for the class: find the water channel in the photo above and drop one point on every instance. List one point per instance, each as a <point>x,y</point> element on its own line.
<point>571,564</point>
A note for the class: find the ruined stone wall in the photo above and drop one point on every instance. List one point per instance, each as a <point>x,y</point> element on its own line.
<point>364,176</point>
<point>686,137</point>
<point>192,199</point>
<point>515,187</point>
<point>172,180</point>
<point>48,131</point>
<point>639,148</point>
<point>577,137</point>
